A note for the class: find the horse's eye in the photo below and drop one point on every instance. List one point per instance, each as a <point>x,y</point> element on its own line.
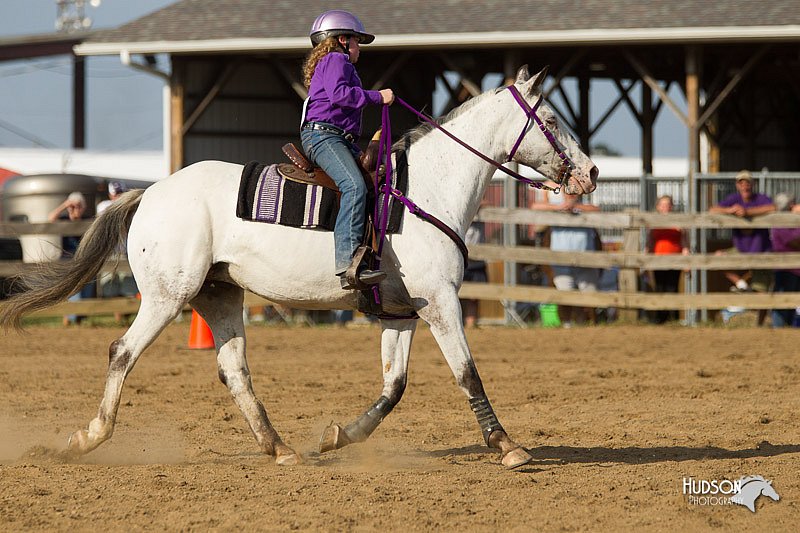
<point>550,122</point>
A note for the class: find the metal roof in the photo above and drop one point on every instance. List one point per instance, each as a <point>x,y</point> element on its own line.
<point>208,26</point>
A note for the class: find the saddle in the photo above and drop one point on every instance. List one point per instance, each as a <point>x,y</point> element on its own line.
<point>303,171</point>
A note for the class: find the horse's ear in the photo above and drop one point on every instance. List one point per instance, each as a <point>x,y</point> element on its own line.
<point>523,75</point>
<point>535,82</point>
<point>538,80</point>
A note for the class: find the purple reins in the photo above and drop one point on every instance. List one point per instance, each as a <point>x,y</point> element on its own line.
<point>385,153</point>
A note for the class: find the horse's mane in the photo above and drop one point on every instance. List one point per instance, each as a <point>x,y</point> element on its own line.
<point>748,479</point>
<point>418,132</point>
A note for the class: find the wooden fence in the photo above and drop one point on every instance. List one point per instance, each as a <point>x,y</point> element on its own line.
<point>630,261</point>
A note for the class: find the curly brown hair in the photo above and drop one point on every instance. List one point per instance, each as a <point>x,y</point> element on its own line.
<point>331,44</point>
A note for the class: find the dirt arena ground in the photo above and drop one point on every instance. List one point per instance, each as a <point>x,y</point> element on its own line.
<point>615,418</point>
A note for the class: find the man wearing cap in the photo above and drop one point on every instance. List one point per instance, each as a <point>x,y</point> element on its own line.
<point>74,208</point>
<point>115,190</point>
<point>747,203</point>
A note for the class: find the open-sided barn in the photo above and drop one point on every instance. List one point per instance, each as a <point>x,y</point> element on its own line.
<point>236,91</point>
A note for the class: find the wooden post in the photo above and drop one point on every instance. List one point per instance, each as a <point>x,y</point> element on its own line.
<point>693,103</point>
<point>629,277</point>
<point>648,118</point>
<point>584,135</point>
<point>78,102</point>
<point>176,115</point>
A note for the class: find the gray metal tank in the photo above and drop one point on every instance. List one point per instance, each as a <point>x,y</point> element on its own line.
<point>31,198</point>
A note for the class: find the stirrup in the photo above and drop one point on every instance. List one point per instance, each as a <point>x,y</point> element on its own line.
<point>365,279</point>
<point>355,277</point>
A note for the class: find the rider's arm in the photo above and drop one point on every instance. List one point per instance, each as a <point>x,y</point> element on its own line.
<point>342,86</point>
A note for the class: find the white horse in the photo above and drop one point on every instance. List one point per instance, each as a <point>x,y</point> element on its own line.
<point>751,488</point>
<point>185,244</point>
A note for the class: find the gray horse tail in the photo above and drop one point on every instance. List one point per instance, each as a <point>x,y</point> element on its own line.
<point>54,282</point>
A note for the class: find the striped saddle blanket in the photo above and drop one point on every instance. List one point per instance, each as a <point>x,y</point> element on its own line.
<point>265,195</point>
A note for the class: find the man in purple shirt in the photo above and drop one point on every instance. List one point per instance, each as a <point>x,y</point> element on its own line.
<point>747,203</point>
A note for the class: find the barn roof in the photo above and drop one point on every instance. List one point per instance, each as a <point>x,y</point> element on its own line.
<point>208,26</point>
<point>29,46</point>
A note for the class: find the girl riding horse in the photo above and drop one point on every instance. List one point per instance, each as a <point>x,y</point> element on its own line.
<point>331,126</point>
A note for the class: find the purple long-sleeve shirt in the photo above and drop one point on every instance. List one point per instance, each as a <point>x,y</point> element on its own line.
<point>749,241</point>
<point>336,95</point>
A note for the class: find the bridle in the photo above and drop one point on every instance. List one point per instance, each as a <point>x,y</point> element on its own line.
<point>567,166</point>
<point>384,156</point>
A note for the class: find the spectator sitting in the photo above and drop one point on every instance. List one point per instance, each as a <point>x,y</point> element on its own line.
<point>73,209</point>
<point>663,241</point>
<point>572,239</point>
<point>785,240</point>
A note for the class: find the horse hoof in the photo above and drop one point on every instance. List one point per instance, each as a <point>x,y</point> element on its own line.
<point>289,459</point>
<point>333,438</point>
<point>516,458</point>
<point>77,443</point>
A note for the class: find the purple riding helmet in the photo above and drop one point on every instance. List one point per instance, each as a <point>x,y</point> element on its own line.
<point>337,22</point>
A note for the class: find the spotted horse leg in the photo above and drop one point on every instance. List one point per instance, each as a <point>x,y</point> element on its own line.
<point>395,349</point>
<point>220,304</point>
<point>153,316</point>
<point>443,314</point>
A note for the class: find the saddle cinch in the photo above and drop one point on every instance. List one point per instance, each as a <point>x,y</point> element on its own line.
<point>303,171</point>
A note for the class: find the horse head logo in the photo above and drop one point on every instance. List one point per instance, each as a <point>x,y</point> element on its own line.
<point>751,488</point>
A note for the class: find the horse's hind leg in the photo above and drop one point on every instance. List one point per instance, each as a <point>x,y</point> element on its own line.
<point>395,349</point>
<point>220,304</point>
<point>443,314</point>
<point>123,353</point>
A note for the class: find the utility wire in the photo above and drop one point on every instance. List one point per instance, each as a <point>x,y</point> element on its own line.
<point>26,135</point>
<point>32,68</point>
<point>138,141</point>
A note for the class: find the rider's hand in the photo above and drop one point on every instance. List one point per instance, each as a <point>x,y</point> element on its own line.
<point>387,96</point>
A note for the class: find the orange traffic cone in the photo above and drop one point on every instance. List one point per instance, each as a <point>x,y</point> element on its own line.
<point>200,336</point>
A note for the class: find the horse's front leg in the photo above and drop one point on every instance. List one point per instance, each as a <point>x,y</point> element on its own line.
<point>395,349</point>
<point>443,314</point>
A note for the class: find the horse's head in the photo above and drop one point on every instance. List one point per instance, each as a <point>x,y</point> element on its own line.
<point>543,145</point>
<point>769,491</point>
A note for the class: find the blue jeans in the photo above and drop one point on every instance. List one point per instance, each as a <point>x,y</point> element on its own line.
<point>784,282</point>
<point>336,156</point>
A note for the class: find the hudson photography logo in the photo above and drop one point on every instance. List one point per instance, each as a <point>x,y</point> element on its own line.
<point>744,491</point>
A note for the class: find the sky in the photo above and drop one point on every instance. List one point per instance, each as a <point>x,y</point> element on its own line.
<point>124,106</point>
